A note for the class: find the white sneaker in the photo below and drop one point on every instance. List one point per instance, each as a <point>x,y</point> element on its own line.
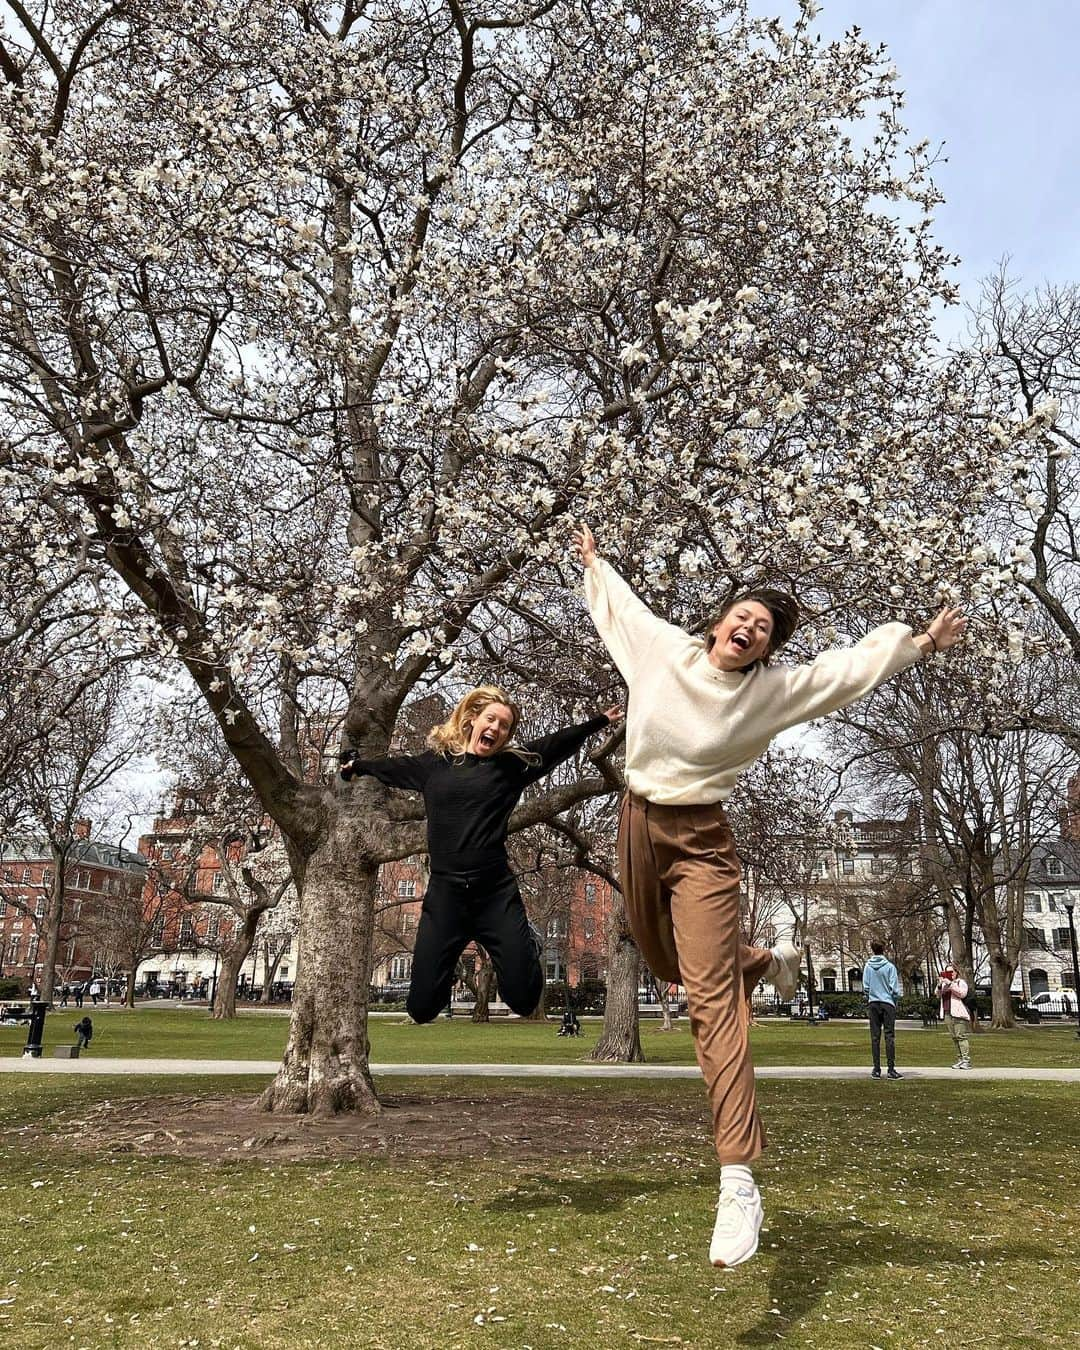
<point>738,1223</point>
<point>962,1064</point>
<point>783,973</point>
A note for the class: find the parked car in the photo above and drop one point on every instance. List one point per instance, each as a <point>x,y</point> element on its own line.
<point>1063,1002</point>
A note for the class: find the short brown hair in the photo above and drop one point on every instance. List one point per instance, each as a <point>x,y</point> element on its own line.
<point>783,608</point>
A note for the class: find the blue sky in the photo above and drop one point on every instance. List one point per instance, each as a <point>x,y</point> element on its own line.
<point>996,82</point>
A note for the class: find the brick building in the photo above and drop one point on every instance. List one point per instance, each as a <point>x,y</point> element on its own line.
<point>95,873</point>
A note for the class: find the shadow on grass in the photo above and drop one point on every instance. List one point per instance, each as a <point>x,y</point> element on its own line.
<point>811,1252</point>
<point>596,1196</point>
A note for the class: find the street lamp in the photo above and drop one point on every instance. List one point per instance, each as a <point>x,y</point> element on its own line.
<point>1069,906</point>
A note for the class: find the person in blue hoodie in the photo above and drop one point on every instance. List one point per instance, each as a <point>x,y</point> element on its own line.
<point>881,985</point>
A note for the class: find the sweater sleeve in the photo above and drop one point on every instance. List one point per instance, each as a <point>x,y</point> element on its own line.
<point>626,624</point>
<point>846,674</point>
<point>399,771</point>
<point>558,746</point>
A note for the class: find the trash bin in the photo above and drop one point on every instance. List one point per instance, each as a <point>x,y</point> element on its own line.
<point>1033,1017</point>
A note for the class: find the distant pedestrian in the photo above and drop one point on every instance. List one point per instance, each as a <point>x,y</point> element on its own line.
<point>952,990</point>
<point>78,990</point>
<point>95,991</point>
<point>84,1031</point>
<point>881,984</point>
<point>64,995</point>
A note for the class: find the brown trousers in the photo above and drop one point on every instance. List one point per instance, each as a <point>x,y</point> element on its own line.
<point>680,877</point>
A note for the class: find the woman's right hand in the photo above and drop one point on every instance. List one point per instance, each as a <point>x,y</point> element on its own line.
<point>584,545</point>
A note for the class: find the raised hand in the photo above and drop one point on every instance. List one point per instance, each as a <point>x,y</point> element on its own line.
<point>947,628</point>
<point>614,714</point>
<point>584,545</point>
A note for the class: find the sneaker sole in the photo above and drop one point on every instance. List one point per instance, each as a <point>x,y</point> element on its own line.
<point>730,1265</point>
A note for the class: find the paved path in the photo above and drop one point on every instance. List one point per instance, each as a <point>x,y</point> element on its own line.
<point>210,1067</point>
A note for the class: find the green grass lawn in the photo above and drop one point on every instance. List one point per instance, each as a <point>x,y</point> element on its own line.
<point>897,1216</point>
<point>188,1033</point>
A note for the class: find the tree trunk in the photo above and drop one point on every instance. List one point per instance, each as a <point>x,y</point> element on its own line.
<point>54,918</point>
<point>129,988</point>
<point>270,969</point>
<point>325,1066</point>
<point>1001,977</point>
<point>620,1040</point>
<point>663,994</point>
<point>232,958</point>
<point>485,987</point>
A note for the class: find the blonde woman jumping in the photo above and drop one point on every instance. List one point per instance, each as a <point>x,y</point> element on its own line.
<point>472,778</point>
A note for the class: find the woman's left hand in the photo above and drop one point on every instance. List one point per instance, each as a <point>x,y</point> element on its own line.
<point>614,714</point>
<point>947,628</point>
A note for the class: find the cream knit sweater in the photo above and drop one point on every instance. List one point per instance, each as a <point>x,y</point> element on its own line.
<point>691,729</point>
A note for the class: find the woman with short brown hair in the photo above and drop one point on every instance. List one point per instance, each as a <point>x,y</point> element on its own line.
<point>699,712</point>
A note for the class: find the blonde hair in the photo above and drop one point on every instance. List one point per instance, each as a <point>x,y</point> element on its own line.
<point>452,736</point>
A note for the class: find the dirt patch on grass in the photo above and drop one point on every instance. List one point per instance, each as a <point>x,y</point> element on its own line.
<point>454,1125</point>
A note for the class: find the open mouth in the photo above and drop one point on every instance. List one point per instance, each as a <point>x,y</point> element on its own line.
<point>741,641</point>
<point>488,740</point>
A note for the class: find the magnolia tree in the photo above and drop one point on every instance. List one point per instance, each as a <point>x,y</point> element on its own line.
<point>231,863</point>
<point>320,322</point>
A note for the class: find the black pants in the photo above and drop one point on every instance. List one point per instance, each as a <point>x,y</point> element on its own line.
<point>463,907</point>
<point>883,1015</point>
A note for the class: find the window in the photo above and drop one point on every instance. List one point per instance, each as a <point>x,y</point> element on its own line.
<point>1055,867</point>
<point>217,884</point>
<point>1068,980</point>
<point>187,932</point>
<point>823,867</point>
<point>590,893</point>
<point>828,980</point>
<point>877,866</point>
<point>1057,902</point>
<point>407,890</point>
<point>32,951</point>
<point>46,877</point>
<point>590,930</point>
<point>847,866</point>
<point>157,932</point>
<point>39,908</point>
<point>1061,937</point>
<point>13,951</point>
<point>401,967</point>
<point>408,920</point>
<point>3,906</point>
<point>213,927</point>
<point>1032,903</point>
<point>26,876</point>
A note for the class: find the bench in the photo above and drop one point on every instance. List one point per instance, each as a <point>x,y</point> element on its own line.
<point>65,1052</point>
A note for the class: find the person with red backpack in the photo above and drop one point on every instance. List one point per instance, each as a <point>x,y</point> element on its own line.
<point>953,993</point>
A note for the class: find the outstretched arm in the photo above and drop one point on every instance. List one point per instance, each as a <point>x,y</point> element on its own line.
<point>626,624</point>
<point>399,771</point>
<point>560,745</point>
<point>846,674</point>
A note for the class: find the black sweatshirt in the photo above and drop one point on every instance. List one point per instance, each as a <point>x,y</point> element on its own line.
<point>469,798</point>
